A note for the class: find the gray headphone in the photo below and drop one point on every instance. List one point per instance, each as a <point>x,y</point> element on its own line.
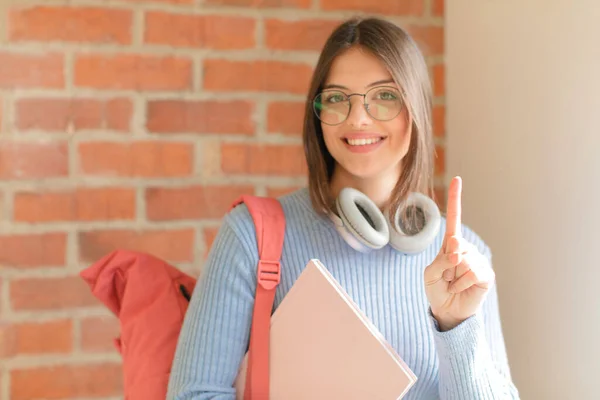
<point>364,227</point>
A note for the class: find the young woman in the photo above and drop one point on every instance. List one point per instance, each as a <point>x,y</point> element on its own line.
<point>368,144</point>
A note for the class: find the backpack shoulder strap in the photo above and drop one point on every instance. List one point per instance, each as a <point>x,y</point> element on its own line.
<point>269,223</point>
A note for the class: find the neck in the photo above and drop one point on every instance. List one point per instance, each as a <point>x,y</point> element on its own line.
<point>378,189</point>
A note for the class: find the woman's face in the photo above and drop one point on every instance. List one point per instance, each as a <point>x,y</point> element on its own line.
<point>363,146</point>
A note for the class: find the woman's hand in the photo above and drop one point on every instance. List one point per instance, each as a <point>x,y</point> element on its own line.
<point>459,278</point>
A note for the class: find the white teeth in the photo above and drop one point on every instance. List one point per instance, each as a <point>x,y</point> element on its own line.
<point>362,142</point>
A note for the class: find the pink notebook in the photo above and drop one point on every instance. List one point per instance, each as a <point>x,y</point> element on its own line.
<point>324,347</point>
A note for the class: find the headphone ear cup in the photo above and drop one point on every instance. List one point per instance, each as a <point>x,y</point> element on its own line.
<point>362,219</point>
<point>418,242</point>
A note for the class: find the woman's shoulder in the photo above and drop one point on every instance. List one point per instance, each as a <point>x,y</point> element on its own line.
<point>295,204</point>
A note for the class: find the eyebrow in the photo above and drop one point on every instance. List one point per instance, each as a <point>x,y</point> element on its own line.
<point>380,82</point>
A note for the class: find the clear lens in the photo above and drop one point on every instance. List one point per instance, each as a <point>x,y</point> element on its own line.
<point>332,107</point>
<point>384,103</point>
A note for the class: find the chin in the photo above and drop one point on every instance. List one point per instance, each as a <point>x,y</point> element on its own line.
<point>360,172</point>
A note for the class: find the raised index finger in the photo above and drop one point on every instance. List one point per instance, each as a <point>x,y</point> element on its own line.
<point>453,214</point>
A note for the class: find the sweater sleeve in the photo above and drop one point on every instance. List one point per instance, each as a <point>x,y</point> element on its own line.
<point>473,363</point>
<point>216,329</point>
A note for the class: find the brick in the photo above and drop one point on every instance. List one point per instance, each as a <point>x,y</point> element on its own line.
<point>440,196</point>
<point>33,160</point>
<point>210,158</point>
<point>437,8</point>
<point>133,72</point>
<point>30,70</point>
<point>192,202</point>
<point>67,381</point>
<point>430,39</point>
<point>50,293</point>
<point>36,338</point>
<point>33,250</point>
<point>171,245</point>
<point>84,204</point>
<point>270,76</point>
<point>439,121</point>
<point>70,24</point>
<point>440,161</point>
<point>259,159</point>
<point>2,202</point>
<point>98,333</point>
<point>181,2</point>
<point>439,80</point>
<point>298,35</point>
<point>76,114</point>
<point>386,7</point>
<point>200,31</point>
<point>280,191</point>
<point>261,3</point>
<point>204,116</point>
<point>209,238</point>
<point>137,159</point>
<point>285,117</point>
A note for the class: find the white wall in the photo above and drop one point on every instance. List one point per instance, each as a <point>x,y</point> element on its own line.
<point>523,123</point>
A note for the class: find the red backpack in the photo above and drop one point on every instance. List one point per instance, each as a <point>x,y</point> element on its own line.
<point>150,298</point>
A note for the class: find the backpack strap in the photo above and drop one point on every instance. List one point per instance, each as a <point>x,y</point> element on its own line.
<point>269,223</point>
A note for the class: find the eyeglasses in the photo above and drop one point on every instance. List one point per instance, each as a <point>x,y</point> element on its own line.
<point>332,106</point>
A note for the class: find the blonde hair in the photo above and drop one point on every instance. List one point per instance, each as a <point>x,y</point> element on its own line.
<point>405,62</point>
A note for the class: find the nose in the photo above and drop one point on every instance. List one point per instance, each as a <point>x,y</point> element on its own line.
<point>358,114</point>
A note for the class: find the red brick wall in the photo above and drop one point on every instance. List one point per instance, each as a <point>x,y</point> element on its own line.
<point>135,125</point>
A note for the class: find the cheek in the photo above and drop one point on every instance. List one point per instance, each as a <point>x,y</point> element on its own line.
<point>400,138</point>
<point>329,135</point>
<point>401,125</point>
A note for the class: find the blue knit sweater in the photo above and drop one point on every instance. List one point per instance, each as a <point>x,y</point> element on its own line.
<point>466,363</point>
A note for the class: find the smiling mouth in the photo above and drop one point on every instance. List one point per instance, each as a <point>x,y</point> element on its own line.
<point>363,142</point>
